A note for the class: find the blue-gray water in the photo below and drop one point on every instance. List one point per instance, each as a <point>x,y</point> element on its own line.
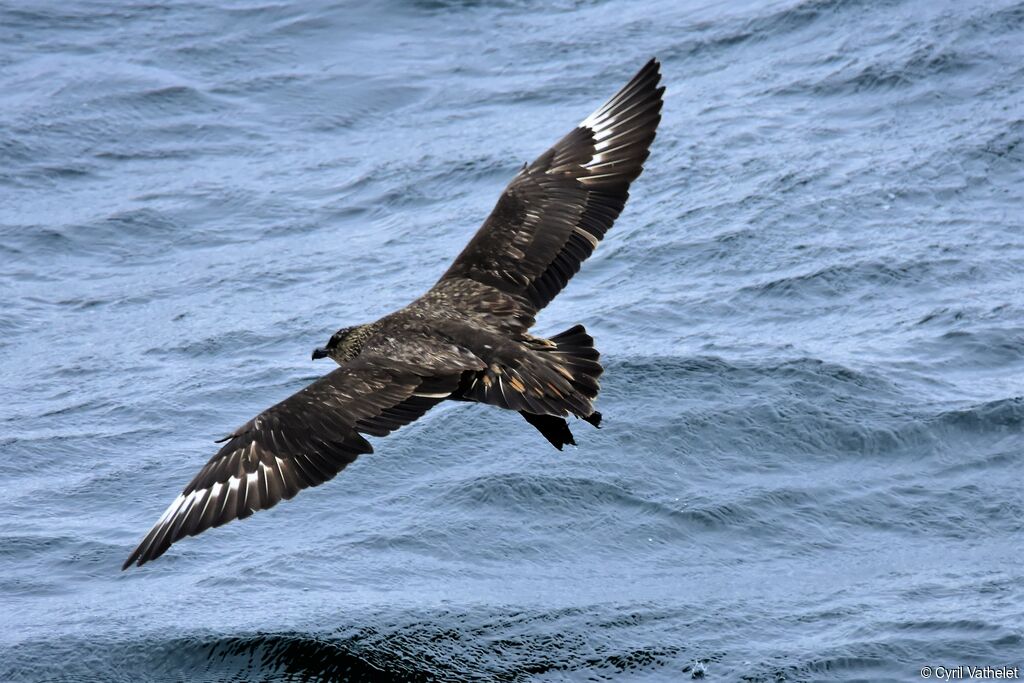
<point>811,314</point>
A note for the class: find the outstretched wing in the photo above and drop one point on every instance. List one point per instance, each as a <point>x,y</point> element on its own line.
<point>556,210</point>
<point>301,442</point>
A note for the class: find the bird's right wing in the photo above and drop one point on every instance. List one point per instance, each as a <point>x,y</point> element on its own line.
<point>556,210</point>
<point>301,442</point>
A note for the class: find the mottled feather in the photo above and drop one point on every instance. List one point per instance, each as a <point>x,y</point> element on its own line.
<point>301,442</point>
<point>554,213</point>
<point>465,339</point>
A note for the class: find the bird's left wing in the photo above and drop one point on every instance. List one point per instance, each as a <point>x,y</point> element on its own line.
<point>554,213</point>
<point>301,442</point>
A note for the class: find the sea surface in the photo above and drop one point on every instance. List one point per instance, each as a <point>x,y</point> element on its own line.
<point>811,315</point>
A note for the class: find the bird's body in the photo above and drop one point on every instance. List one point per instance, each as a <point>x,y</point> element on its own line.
<point>466,339</point>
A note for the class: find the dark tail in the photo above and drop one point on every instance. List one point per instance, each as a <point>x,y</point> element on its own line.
<point>544,377</point>
<point>555,429</point>
<point>577,360</point>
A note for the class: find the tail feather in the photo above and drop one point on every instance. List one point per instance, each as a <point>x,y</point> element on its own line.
<point>547,377</point>
<point>576,352</point>
<point>555,429</point>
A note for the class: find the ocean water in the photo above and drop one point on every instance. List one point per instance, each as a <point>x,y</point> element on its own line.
<point>811,315</point>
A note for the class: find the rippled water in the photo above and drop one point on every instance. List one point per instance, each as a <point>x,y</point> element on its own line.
<point>811,314</point>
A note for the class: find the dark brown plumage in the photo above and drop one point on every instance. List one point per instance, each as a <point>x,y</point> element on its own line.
<point>466,339</point>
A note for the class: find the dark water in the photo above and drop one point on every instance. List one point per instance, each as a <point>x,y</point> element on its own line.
<point>811,313</point>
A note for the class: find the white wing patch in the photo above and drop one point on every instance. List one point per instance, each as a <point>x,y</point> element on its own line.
<point>586,235</point>
<point>602,126</point>
<point>608,128</point>
<point>173,509</point>
<point>218,495</point>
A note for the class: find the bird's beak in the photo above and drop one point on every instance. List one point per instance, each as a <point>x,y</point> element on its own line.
<point>319,353</point>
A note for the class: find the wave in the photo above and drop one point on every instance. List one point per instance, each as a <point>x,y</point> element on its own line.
<point>879,277</point>
<point>924,65</point>
<point>593,642</point>
<point>999,21</point>
<point>739,31</point>
<point>894,650</point>
<point>482,644</point>
<point>123,235</point>
<point>798,408</point>
<point>1003,416</point>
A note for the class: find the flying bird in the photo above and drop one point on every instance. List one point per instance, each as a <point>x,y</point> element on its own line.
<point>466,339</point>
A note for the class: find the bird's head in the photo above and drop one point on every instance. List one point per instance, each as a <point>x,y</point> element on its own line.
<point>344,345</point>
